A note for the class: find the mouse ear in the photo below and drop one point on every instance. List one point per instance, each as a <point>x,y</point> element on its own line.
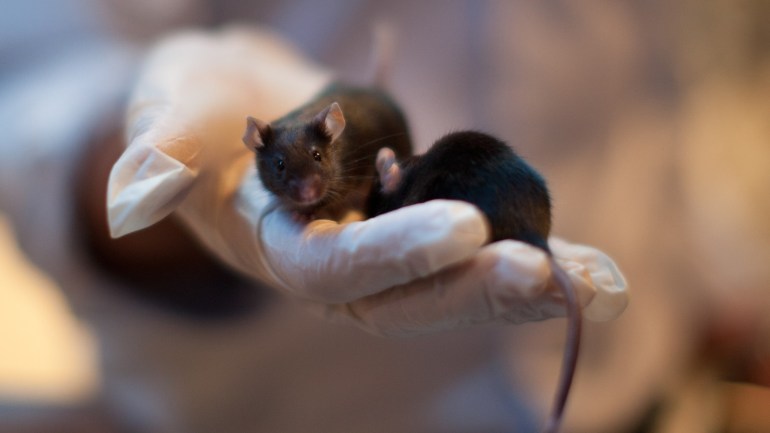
<point>388,170</point>
<point>257,132</point>
<point>330,121</point>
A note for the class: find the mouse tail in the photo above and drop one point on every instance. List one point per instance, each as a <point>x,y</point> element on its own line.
<point>571,346</point>
<point>381,62</point>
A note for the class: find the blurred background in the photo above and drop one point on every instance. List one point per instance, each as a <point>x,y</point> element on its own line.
<point>651,121</point>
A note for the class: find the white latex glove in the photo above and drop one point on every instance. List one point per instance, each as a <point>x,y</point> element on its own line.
<point>420,269</point>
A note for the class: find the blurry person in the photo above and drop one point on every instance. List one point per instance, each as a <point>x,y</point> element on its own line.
<point>606,99</point>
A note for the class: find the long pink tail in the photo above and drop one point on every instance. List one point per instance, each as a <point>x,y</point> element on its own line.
<point>571,346</point>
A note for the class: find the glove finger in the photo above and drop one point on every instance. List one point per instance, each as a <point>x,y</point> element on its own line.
<point>333,263</point>
<point>611,288</point>
<point>507,281</point>
<point>145,185</point>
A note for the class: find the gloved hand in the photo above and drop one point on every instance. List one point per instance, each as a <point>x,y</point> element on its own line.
<point>420,269</point>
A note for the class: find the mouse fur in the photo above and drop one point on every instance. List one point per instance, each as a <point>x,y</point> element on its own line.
<point>480,169</point>
<point>322,155</point>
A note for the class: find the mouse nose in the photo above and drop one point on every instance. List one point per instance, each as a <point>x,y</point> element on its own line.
<point>309,189</point>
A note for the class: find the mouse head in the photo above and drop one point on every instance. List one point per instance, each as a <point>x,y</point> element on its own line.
<point>295,159</point>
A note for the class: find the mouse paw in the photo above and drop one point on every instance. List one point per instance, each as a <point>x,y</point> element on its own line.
<point>388,169</point>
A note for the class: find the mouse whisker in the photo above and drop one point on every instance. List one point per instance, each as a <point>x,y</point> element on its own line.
<point>365,161</point>
<point>398,134</point>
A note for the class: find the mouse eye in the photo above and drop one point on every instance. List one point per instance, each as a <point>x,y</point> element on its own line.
<point>280,165</point>
<point>317,155</point>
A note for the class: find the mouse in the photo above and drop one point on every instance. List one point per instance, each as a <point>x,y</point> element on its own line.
<point>480,169</point>
<point>322,155</point>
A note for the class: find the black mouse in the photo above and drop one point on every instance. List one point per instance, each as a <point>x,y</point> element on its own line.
<point>321,156</point>
<point>480,169</point>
